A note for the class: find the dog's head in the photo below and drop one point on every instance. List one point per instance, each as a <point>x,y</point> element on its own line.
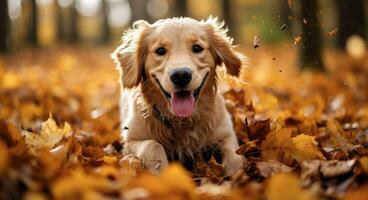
<point>177,55</point>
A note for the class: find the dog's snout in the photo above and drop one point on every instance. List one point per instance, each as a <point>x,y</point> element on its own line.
<point>181,76</point>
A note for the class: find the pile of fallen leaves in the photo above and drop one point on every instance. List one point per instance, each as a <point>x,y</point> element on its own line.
<point>305,135</point>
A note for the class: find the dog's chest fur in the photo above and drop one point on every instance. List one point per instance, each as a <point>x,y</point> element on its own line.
<point>183,137</point>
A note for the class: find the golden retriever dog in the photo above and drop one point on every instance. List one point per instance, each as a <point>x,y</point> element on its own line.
<point>169,104</point>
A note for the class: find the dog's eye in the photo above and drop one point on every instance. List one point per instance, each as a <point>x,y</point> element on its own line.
<point>160,51</point>
<point>197,49</point>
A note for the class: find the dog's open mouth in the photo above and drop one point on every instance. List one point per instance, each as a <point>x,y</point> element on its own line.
<point>183,102</point>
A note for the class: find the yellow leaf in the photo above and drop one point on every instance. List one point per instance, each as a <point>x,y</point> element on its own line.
<point>173,183</point>
<point>178,178</point>
<point>10,80</point>
<point>305,148</point>
<point>286,186</point>
<point>50,135</point>
<point>364,163</point>
<point>4,157</point>
<point>78,183</point>
<point>278,146</point>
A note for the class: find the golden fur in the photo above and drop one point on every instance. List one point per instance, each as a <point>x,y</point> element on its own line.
<point>141,72</point>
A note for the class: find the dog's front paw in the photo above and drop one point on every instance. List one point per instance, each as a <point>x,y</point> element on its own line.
<point>233,163</point>
<point>154,156</point>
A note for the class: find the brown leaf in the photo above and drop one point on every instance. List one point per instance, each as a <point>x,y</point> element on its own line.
<point>278,146</point>
<point>249,149</point>
<point>210,169</point>
<point>93,153</point>
<point>4,157</point>
<point>359,194</point>
<point>259,129</point>
<point>9,133</point>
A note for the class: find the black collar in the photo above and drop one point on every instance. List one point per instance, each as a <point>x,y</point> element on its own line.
<point>162,118</point>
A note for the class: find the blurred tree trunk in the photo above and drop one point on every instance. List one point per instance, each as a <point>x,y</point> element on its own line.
<point>351,20</point>
<point>181,8</point>
<point>60,23</point>
<point>311,45</point>
<point>74,23</point>
<point>285,14</point>
<point>106,27</point>
<point>65,23</point>
<point>5,26</point>
<point>226,12</point>
<point>32,30</point>
<point>139,10</point>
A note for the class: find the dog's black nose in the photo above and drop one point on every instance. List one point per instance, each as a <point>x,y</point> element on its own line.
<point>181,76</point>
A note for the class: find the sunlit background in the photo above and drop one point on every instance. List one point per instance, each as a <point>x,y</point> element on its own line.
<point>50,22</point>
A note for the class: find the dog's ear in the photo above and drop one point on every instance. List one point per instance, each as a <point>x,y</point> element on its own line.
<point>221,47</point>
<point>130,56</point>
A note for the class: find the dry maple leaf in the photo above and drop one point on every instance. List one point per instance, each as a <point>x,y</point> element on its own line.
<point>286,186</point>
<point>279,145</point>
<point>50,135</point>
<point>258,130</point>
<point>305,148</point>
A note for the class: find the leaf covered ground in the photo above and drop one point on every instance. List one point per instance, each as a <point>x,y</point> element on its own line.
<point>305,135</point>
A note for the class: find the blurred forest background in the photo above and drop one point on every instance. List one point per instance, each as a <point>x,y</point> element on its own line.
<point>315,24</point>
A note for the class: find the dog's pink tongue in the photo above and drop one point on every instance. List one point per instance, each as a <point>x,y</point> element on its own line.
<point>182,105</point>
